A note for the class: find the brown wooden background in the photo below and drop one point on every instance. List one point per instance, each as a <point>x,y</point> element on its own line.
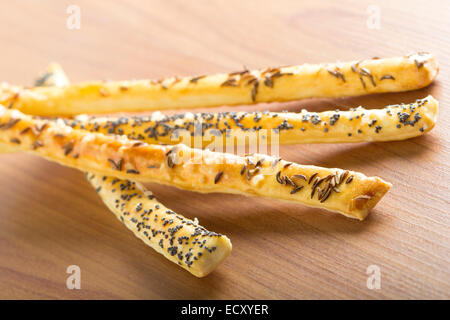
<point>50,217</point>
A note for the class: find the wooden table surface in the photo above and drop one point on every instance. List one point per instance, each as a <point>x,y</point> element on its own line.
<point>51,218</point>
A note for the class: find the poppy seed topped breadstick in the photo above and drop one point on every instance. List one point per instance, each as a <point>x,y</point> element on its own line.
<point>395,122</point>
<point>177,238</point>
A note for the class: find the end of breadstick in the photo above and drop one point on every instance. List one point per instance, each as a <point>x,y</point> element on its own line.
<point>427,64</point>
<point>429,113</point>
<point>211,261</point>
<point>54,76</point>
<point>369,192</point>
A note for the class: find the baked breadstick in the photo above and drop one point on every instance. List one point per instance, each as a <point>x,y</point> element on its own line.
<point>188,244</point>
<point>180,240</point>
<point>350,193</point>
<point>396,122</point>
<point>177,238</point>
<point>273,84</point>
<point>4,148</point>
<point>53,76</point>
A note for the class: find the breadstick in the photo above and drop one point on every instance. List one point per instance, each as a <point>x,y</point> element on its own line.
<point>177,238</point>
<point>4,148</point>
<point>180,240</point>
<point>191,246</point>
<point>395,122</point>
<point>273,84</point>
<point>349,193</point>
<point>53,76</point>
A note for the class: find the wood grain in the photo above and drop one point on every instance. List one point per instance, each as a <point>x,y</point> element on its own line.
<point>50,217</point>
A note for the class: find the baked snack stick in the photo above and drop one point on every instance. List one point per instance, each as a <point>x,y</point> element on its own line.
<point>53,75</point>
<point>350,193</point>
<point>4,148</point>
<point>273,84</point>
<point>395,122</point>
<point>177,238</point>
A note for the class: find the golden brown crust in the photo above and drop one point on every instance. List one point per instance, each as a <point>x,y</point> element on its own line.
<point>274,84</point>
<point>395,122</point>
<point>177,238</point>
<point>180,240</point>
<point>4,148</point>
<point>191,169</point>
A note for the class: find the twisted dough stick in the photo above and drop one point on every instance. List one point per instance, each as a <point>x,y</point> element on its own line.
<point>274,84</point>
<point>350,193</point>
<point>179,239</point>
<point>396,122</point>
